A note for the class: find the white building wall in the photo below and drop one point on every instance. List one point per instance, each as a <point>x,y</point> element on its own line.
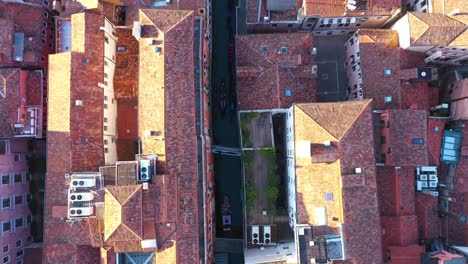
<point>353,82</point>
<point>403,28</point>
<point>110,104</point>
<point>291,167</point>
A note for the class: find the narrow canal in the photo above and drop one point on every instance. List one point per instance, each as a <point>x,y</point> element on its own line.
<point>225,125</point>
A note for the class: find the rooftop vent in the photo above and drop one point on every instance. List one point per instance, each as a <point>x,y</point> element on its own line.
<point>79,102</point>
<point>357,170</point>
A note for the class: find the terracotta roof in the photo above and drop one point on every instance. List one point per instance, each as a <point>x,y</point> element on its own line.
<point>379,52</point>
<point>26,19</point>
<point>126,66</point>
<point>338,8</point>
<point>406,125</point>
<point>447,6</point>
<point>123,216</point>
<point>18,89</point>
<point>166,102</point>
<point>396,190</point>
<point>67,124</point>
<point>428,29</point>
<point>355,195</point>
<point>265,75</point>
<point>6,40</point>
<point>163,20</point>
<point>337,127</point>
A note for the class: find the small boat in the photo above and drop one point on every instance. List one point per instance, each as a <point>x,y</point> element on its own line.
<point>226,213</point>
<point>223,99</point>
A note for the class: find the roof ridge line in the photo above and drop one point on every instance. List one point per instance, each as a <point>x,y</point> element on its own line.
<point>357,116</point>
<point>311,118</point>
<point>258,52</point>
<point>189,12</point>
<point>131,195</point>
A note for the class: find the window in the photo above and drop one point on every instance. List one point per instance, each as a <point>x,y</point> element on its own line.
<point>19,243</point>
<point>6,259</point>
<point>18,177</point>
<point>283,50</point>
<point>105,119</point>
<point>388,99</point>
<point>28,219</point>
<point>418,141</point>
<point>44,24</point>
<point>274,25</point>
<point>288,92</point>
<point>105,142</point>
<point>28,177</point>
<point>6,226</point>
<point>19,222</point>
<point>6,248</point>
<point>106,39</point>
<point>18,200</point>
<point>19,253</point>
<point>105,63</point>
<point>290,25</point>
<point>328,196</point>
<point>6,203</point>
<point>121,49</point>
<point>46,14</point>
<point>105,106</point>
<point>83,140</point>
<point>5,179</point>
<point>106,150</point>
<point>106,75</point>
<point>17,157</point>
<point>105,128</point>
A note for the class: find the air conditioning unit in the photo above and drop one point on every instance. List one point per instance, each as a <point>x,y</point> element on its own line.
<point>266,234</point>
<point>81,211</point>
<point>145,173</point>
<point>255,234</point>
<point>433,184</point>
<point>424,184</point>
<point>81,196</point>
<point>423,177</point>
<point>83,183</point>
<point>433,177</point>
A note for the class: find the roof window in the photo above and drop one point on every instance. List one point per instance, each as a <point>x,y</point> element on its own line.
<point>288,92</point>
<point>388,99</point>
<point>121,49</point>
<point>283,50</point>
<point>388,72</point>
<point>417,141</point>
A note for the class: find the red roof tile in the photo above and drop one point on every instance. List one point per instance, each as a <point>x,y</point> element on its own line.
<point>349,128</point>
<point>69,123</point>
<point>399,230</point>
<point>379,51</point>
<point>404,126</point>
<point>126,66</point>
<point>18,89</point>
<point>26,19</point>
<point>171,111</point>
<point>427,211</point>
<point>265,76</point>
<point>435,128</point>
<point>396,190</point>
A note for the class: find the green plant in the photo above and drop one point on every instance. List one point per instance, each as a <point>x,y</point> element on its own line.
<point>245,131</point>
<point>254,115</point>
<point>251,196</point>
<point>247,158</point>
